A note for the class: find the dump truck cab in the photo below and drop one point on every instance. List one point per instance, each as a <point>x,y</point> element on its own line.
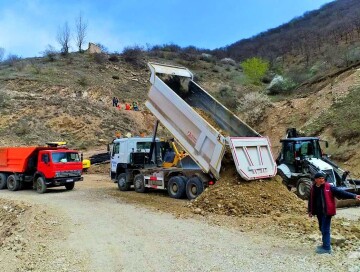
<point>133,153</point>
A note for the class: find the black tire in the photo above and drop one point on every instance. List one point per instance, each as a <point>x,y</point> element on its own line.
<point>123,183</point>
<point>194,187</point>
<point>184,178</point>
<point>176,187</point>
<point>303,187</point>
<point>69,186</point>
<point>40,185</point>
<point>3,181</point>
<point>139,184</point>
<point>12,183</point>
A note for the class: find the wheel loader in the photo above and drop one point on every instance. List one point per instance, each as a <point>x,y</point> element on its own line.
<point>301,158</point>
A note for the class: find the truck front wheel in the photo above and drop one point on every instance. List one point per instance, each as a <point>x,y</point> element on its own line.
<point>12,183</point>
<point>122,182</point>
<point>40,185</point>
<point>139,183</point>
<point>69,186</point>
<point>3,181</point>
<point>194,187</point>
<point>303,187</point>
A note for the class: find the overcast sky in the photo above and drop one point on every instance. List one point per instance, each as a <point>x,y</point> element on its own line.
<point>28,26</point>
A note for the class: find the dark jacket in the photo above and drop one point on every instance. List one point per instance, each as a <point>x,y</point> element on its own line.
<point>322,199</point>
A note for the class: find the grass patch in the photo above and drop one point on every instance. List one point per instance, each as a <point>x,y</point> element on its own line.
<point>343,117</point>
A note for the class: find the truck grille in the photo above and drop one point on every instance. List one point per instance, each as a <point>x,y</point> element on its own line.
<point>65,174</point>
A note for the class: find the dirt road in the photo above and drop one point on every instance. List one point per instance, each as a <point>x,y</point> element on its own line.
<point>97,228</point>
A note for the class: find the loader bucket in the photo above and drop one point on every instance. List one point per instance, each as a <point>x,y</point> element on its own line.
<point>347,203</point>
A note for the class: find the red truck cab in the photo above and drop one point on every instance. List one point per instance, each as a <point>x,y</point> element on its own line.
<point>43,167</point>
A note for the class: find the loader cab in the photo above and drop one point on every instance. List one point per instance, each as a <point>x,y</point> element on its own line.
<point>295,150</point>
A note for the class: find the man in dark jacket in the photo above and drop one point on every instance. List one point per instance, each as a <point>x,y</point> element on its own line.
<point>322,204</point>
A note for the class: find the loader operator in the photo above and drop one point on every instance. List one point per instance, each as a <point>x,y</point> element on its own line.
<point>322,204</point>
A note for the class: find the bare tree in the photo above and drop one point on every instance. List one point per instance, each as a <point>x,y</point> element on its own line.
<point>2,53</point>
<point>81,28</point>
<point>63,38</point>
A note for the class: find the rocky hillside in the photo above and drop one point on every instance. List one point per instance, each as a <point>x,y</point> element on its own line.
<point>70,98</point>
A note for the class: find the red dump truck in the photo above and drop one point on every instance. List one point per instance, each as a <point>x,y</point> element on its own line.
<point>40,167</point>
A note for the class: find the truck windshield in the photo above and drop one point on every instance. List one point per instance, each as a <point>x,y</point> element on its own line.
<point>65,157</point>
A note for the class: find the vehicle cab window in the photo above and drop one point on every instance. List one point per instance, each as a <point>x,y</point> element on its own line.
<point>45,158</point>
<point>116,148</point>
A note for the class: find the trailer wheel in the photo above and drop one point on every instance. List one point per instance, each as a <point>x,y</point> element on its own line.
<point>70,186</point>
<point>303,187</point>
<point>194,187</point>
<point>3,181</point>
<point>12,183</point>
<point>122,182</point>
<point>176,187</point>
<point>139,183</point>
<point>40,185</point>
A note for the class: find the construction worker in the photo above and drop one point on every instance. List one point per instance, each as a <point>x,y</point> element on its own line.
<point>135,106</point>
<point>322,204</point>
<point>127,106</point>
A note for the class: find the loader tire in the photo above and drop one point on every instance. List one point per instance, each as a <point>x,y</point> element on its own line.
<point>194,187</point>
<point>176,187</point>
<point>122,182</point>
<point>40,185</point>
<point>139,184</point>
<point>303,187</point>
<point>3,181</point>
<point>13,184</point>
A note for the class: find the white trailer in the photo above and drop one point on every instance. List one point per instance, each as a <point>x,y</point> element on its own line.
<point>206,145</point>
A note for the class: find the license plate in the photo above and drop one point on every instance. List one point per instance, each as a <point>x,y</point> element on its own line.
<point>69,180</point>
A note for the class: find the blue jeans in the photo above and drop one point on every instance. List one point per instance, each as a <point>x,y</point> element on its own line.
<point>324,226</point>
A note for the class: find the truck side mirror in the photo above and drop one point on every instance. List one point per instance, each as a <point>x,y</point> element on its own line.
<point>46,160</point>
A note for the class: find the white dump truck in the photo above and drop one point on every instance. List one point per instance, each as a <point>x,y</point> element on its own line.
<point>176,100</point>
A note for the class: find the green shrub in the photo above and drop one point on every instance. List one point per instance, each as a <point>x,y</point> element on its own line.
<point>255,69</point>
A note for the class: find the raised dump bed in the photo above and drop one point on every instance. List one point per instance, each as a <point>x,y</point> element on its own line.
<point>175,99</point>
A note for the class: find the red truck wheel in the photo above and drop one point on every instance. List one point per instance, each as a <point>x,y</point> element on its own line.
<point>70,186</point>
<point>40,185</point>
<point>12,183</point>
<point>3,179</point>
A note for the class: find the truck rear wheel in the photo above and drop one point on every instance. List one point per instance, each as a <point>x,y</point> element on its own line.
<point>303,187</point>
<point>176,187</point>
<point>139,183</point>
<point>122,182</point>
<point>194,187</point>
<point>70,186</point>
<point>12,183</point>
<point>40,185</point>
<point>3,181</point>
